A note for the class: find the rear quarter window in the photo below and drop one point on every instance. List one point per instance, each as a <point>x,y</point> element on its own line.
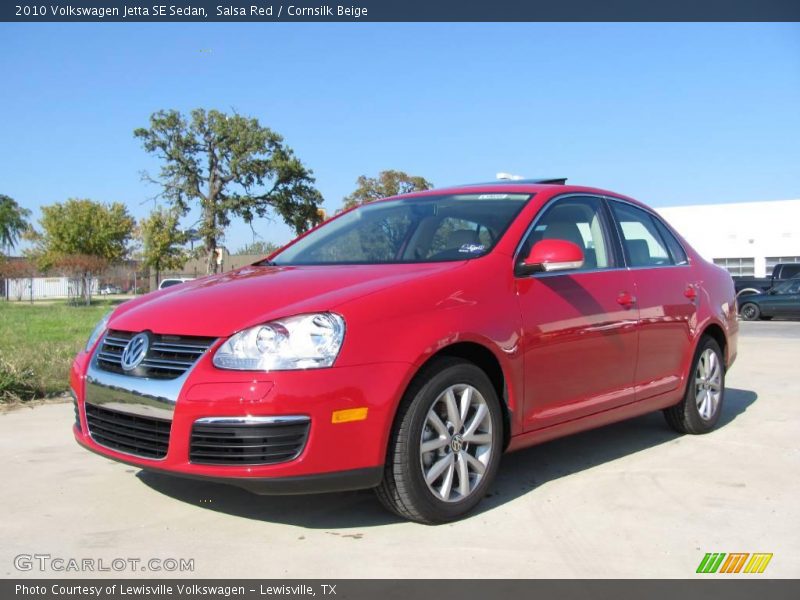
<point>673,245</point>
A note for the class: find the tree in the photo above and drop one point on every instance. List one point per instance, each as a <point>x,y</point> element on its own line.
<point>162,241</point>
<point>82,237</point>
<point>81,270</point>
<point>19,269</point>
<point>13,222</point>
<point>231,166</point>
<point>260,247</point>
<point>387,183</point>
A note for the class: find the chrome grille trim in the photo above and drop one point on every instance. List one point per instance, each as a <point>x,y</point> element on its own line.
<point>271,420</point>
<point>172,347</point>
<point>167,357</point>
<point>143,396</point>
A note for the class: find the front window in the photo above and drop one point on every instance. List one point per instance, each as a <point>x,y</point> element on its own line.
<point>413,230</point>
<point>576,219</point>
<point>791,286</point>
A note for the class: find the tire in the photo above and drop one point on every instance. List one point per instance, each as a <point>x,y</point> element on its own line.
<point>750,312</point>
<point>419,446</point>
<point>702,403</point>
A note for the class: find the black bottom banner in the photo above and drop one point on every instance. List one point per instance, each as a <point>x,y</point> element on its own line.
<point>383,589</point>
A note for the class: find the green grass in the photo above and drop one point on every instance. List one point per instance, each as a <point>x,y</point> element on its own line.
<point>38,343</point>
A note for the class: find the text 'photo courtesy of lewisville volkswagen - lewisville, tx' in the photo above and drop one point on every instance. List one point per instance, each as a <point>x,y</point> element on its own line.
<point>400,299</point>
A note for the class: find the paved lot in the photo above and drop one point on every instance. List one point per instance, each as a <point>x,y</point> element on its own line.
<point>628,500</point>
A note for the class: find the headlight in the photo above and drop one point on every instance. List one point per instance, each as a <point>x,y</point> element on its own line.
<point>301,342</point>
<point>98,330</point>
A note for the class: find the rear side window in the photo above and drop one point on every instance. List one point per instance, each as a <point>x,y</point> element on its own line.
<point>673,245</point>
<point>644,245</point>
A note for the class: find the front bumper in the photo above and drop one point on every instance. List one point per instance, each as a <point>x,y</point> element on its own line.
<point>338,481</point>
<point>336,455</point>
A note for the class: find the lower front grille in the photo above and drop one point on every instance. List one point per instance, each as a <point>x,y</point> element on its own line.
<point>77,414</point>
<point>133,434</point>
<point>247,443</point>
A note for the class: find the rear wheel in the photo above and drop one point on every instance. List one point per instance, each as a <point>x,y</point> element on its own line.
<point>750,312</point>
<point>445,446</point>
<point>701,406</point>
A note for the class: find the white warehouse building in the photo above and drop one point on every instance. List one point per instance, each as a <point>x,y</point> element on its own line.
<point>746,238</point>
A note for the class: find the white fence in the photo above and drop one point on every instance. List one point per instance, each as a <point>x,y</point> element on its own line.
<point>41,288</point>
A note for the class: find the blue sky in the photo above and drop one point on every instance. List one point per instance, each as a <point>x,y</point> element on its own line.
<point>668,113</point>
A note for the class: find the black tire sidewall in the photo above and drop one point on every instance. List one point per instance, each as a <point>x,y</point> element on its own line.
<point>755,316</point>
<point>459,373</point>
<point>692,412</point>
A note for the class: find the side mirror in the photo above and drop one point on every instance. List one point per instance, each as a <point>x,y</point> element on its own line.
<point>551,255</point>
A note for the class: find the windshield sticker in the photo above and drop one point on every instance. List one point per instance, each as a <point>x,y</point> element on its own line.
<point>472,248</point>
<point>492,196</point>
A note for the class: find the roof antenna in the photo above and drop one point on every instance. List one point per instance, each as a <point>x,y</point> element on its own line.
<point>509,177</point>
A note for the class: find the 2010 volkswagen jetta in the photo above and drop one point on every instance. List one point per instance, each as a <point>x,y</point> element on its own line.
<point>406,344</point>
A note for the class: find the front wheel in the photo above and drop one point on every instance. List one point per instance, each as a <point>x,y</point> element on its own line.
<point>701,406</point>
<point>445,446</point>
<point>750,312</point>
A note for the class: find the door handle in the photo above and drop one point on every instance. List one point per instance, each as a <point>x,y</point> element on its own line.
<point>690,292</point>
<point>626,300</point>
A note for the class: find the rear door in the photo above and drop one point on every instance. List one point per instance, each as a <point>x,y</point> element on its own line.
<point>579,326</point>
<point>666,295</point>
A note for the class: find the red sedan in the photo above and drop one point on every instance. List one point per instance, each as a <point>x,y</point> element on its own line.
<point>406,344</point>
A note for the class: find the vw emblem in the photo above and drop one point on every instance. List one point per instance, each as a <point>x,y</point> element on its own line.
<point>456,443</point>
<point>135,351</point>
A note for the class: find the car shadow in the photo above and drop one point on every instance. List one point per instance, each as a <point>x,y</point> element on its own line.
<point>529,469</point>
<point>520,473</point>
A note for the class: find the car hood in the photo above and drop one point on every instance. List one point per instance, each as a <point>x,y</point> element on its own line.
<point>222,304</point>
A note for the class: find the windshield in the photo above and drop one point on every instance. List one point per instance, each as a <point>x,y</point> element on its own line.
<point>414,230</point>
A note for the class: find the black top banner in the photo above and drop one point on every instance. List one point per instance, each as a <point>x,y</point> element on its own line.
<point>400,10</point>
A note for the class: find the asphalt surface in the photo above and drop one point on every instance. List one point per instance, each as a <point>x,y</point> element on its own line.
<point>628,500</point>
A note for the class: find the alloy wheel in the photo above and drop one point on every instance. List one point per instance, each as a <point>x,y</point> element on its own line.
<point>456,443</point>
<point>708,384</point>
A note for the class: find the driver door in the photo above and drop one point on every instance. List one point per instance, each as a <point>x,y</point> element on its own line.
<point>785,302</point>
<point>580,327</point>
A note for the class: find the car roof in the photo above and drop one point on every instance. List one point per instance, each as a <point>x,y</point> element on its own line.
<point>526,186</point>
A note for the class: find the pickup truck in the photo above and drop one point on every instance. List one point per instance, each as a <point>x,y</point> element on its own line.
<point>757,285</point>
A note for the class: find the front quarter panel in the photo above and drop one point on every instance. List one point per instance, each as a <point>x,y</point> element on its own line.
<point>475,303</point>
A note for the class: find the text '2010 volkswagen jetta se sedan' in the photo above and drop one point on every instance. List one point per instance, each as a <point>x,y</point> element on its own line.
<point>406,344</point>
